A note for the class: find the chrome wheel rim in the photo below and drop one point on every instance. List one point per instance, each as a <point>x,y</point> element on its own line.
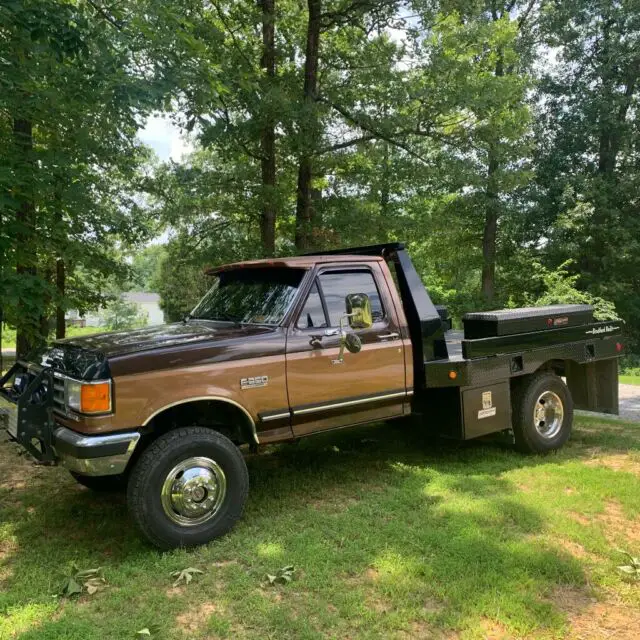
<point>548,414</point>
<point>193,491</point>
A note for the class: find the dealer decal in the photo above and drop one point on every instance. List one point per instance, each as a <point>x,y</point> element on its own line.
<point>488,409</point>
<point>606,329</point>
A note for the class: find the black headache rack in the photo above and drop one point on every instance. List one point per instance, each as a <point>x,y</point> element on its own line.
<point>426,326</point>
<point>27,411</point>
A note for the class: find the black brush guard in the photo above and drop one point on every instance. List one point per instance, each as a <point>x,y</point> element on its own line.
<point>34,412</point>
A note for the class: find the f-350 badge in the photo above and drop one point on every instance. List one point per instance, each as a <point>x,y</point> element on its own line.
<point>254,383</point>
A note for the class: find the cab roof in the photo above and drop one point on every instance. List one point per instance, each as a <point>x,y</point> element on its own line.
<point>296,262</point>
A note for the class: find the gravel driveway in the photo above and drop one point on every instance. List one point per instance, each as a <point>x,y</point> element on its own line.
<point>630,402</point>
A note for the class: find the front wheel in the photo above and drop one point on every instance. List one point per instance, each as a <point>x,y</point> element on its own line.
<point>187,488</point>
<point>542,413</point>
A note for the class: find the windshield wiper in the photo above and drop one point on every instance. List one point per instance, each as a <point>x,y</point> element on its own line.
<point>220,317</point>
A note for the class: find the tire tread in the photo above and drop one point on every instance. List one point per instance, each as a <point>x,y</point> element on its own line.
<point>145,465</point>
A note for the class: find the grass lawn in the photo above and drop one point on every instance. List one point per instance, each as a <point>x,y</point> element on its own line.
<point>624,379</point>
<point>390,538</point>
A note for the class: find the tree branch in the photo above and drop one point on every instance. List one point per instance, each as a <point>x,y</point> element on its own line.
<point>347,143</point>
<point>108,17</point>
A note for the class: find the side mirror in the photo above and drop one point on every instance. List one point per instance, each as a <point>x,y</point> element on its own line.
<point>352,343</point>
<point>359,310</point>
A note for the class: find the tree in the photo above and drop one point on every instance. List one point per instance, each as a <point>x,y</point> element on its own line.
<point>71,93</point>
<point>589,176</point>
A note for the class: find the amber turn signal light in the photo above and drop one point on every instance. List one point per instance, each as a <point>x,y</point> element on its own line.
<point>452,375</point>
<point>95,398</point>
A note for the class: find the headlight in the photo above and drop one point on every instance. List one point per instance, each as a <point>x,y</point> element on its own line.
<point>89,397</point>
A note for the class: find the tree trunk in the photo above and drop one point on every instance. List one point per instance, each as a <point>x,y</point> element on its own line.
<point>28,324</point>
<point>1,321</point>
<point>492,208</point>
<point>305,211</point>
<point>61,327</point>
<point>268,135</point>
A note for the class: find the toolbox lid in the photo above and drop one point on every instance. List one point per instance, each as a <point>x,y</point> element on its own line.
<point>504,322</point>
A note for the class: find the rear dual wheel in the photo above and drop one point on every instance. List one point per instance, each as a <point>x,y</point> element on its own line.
<point>188,487</point>
<point>542,413</point>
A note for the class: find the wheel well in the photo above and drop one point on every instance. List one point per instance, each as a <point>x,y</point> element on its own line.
<point>554,366</point>
<point>226,418</point>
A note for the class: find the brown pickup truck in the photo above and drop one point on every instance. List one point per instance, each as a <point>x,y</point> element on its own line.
<point>280,349</point>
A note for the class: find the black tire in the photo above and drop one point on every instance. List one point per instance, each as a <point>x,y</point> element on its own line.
<point>144,494</point>
<point>547,431</point>
<point>102,484</point>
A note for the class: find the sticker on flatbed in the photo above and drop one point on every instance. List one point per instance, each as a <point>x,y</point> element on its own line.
<point>488,409</point>
<point>607,329</point>
<point>9,416</point>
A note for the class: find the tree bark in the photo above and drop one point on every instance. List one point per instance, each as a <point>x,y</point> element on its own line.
<point>28,325</point>
<point>492,208</point>
<point>305,210</point>
<point>490,234</point>
<point>61,276</point>
<point>268,135</point>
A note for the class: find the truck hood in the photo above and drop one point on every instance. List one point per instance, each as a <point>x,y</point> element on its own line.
<point>121,343</point>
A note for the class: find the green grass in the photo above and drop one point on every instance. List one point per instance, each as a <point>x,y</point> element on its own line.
<point>390,538</point>
<point>628,379</point>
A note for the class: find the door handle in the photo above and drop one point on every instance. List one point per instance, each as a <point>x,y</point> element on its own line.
<point>388,336</point>
<point>316,340</point>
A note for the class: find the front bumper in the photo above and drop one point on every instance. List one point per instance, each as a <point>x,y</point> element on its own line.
<point>29,420</point>
<point>94,455</point>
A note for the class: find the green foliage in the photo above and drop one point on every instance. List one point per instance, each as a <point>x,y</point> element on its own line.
<point>559,287</point>
<point>120,314</point>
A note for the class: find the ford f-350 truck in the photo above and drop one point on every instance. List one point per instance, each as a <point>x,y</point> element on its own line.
<point>283,348</point>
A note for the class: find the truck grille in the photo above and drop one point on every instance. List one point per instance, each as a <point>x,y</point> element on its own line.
<point>58,393</point>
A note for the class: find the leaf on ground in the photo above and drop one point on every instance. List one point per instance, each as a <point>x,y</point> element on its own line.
<point>87,580</point>
<point>631,570</point>
<point>281,576</point>
<point>148,632</point>
<point>184,575</point>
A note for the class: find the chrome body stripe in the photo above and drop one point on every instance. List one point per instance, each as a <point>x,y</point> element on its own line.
<point>349,403</point>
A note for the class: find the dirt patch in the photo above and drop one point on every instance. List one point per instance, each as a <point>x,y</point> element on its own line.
<point>615,522</point>
<point>591,619</point>
<point>581,519</point>
<point>615,462</point>
<point>492,630</point>
<point>575,549</point>
<point>17,471</point>
<point>196,618</point>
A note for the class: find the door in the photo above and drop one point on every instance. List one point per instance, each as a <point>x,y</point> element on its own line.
<point>326,392</point>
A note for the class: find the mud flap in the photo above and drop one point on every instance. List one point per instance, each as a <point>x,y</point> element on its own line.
<point>594,385</point>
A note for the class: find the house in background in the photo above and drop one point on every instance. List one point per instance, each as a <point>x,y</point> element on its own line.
<point>148,304</point>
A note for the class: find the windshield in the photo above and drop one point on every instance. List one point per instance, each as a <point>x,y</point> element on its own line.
<point>252,296</point>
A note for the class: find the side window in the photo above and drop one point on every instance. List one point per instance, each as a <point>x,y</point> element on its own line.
<point>312,314</point>
<point>337,285</point>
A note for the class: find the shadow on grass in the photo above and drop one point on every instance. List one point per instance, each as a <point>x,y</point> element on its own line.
<point>433,538</point>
